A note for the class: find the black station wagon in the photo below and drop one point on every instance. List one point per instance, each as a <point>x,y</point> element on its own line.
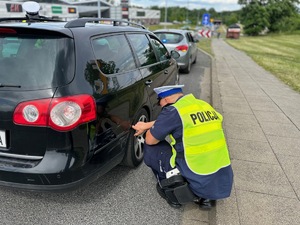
<point>69,93</point>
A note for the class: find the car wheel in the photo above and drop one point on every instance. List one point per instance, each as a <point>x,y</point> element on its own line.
<point>188,68</point>
<point>135,153</point>
<point>195,59</point>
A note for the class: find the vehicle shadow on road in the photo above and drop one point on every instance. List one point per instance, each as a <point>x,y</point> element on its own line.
<point>100,188</point>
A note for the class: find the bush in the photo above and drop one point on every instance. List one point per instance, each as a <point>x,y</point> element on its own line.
<point>289,24</point>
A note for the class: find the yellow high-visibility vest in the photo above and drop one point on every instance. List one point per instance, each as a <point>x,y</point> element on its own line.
<point>205,148</point>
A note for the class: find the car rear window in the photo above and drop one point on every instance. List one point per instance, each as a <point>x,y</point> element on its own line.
<point>35,61</point>
<point>169,38</point>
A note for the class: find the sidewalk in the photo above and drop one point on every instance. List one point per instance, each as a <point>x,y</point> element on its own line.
<point>262,126</point>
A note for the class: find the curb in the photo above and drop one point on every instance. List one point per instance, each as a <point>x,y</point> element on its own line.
<point>192,215</point>
<point>215,101</point>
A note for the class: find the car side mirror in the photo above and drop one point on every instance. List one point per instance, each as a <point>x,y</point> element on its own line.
<point>175,54</point>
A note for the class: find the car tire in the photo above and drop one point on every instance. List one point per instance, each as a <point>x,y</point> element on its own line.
<point>135,154</point>
<point>195,60</point>
<point>187,70</point>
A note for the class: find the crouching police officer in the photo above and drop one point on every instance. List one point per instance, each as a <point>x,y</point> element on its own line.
<point>198,147</point>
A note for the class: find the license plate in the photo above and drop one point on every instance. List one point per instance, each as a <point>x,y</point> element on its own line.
<point>2,139</point>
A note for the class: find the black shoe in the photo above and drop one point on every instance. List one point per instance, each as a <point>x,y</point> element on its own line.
<point>206,204</point>
<point>164,196</point>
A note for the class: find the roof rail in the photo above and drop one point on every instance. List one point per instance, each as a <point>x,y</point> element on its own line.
<point>82,21</point>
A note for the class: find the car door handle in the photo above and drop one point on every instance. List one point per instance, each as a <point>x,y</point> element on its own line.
<point>148,82</point>
<point>166,72</point>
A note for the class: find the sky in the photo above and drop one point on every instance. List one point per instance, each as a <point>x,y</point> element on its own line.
<point>218,5</point>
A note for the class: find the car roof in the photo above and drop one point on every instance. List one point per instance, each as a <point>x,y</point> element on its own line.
<point>172,30</point>
<point>83,24</point>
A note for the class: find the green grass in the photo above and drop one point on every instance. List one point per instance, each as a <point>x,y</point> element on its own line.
<point>205,45</point>
<point>279,54</point>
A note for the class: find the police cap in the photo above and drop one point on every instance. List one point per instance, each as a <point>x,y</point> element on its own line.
<point>166,91</point>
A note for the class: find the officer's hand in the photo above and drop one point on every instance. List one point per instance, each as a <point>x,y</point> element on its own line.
<point>140,128</point>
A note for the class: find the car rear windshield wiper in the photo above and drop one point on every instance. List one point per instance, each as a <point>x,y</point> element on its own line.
<point>8,85</point>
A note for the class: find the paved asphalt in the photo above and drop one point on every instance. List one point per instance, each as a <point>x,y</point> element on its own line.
<point>261,122</point>
<point>262,126</point>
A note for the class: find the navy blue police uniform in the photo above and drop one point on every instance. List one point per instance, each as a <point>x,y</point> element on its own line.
<point>214,186</point>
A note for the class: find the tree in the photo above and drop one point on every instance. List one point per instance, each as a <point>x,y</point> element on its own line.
<point>232,19</point>
<point>280,12</point>
<point>254,18</point>
<point>282,15</point>
<point>247,2</point>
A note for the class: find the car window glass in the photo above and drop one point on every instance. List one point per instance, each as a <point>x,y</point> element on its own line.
<point>169,38</point>
<point>34,61</point>
<point>113,54</point>
<point>143,49</point>
<point>190,37</point>
<point>160,49</point>
<point>9,47</point>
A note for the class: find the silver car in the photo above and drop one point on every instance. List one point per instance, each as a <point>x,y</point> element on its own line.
<point>183,42</point>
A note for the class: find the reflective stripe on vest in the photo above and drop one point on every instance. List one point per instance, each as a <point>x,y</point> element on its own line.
<point>205,149</point>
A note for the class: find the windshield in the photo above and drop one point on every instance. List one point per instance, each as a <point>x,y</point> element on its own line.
<point>35,61</point>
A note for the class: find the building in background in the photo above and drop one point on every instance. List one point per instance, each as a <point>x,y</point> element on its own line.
<point>51,10</point>
<point>89,8</point>
<point>72,9</point>
<point>125,9</point>
<point>144,16</point>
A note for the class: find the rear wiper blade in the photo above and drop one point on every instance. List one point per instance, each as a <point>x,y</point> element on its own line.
<point>8,85</point>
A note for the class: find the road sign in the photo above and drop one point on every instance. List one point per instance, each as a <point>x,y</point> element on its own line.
<point>205,33</point>
<point>205,19</point>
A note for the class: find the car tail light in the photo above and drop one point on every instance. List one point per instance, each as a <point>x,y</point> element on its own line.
<point>62,114</point>
<point>182,48</point>
<point>7,31</point>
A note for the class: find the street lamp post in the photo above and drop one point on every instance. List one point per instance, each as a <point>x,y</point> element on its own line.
<point>99,9</point>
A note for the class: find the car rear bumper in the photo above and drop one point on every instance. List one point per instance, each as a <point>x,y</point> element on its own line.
<point>182,65</point>
<point>183,61</point>
<point>39,179</point>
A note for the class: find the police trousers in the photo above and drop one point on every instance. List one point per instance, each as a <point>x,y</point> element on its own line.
<point>157,157</point>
